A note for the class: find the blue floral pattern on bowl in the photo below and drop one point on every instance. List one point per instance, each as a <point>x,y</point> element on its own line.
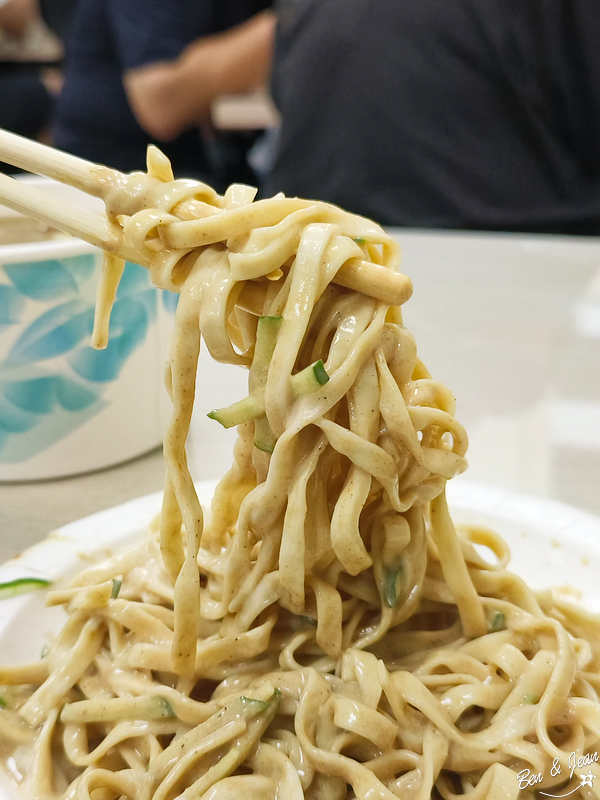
<point>51,380</point>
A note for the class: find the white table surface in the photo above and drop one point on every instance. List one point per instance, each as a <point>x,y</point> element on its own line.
<point>510,323</point>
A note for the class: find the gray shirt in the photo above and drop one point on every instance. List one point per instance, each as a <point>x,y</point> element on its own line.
<point>480,114</point>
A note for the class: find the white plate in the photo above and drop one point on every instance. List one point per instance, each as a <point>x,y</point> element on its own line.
<point>552,545</point>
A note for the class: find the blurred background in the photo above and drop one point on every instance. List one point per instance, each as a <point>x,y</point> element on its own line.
<point>469,129</point>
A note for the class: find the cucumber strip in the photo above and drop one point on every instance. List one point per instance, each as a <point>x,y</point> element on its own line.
<point>390,587</point>
<point>238,413</point>
<point>309,379</point>
<point>240,748</point>
<point>241,708</point>
<point>266,339</point>
<point>116,588</point>
<point>264,438</point>
<point>22,586</point>
<point>530,699</point>
<point>253,406</point>
<point>118,708</point>
<point>320,372</point>
<point>497,621</point>
<point>253,705</point>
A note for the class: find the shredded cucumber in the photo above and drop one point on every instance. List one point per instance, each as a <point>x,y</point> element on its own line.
<point>240,747</point>
<point>309,379</point>
<point>530,699</point>
<point>390,587</point>
<point>162,708</point>
<point>266,339</point>
<point>240,412</point>
<point>257,706</point>
<point>253,407</point>
<point>22,586</point>
<point>117,708</point>
<point>497,621</point>
<point>264,438</point>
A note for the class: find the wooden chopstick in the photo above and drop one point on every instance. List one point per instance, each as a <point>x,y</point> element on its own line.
<point>49,162</point>
<point>360,276</point>
<point>64,216</point>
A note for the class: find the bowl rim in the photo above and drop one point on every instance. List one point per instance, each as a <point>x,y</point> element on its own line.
<point>21,252</point>
<point>27,252</point>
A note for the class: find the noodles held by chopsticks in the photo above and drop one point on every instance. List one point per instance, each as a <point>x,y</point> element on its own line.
<point>325,633</point>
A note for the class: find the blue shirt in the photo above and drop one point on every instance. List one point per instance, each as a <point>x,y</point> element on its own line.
<point>109,37</point>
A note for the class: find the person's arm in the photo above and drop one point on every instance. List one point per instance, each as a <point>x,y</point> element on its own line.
<point>170,96</point>
<point>17,15</point>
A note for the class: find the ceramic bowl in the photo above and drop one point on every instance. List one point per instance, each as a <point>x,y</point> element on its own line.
<point>66,408</point>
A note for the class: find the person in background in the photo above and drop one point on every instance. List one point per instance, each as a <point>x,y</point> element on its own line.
<point>473,114</point>
<point>146,71</point>
<point>16,16</point>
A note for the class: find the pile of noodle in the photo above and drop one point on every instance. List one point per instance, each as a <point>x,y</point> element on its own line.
<point>325,633</point>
